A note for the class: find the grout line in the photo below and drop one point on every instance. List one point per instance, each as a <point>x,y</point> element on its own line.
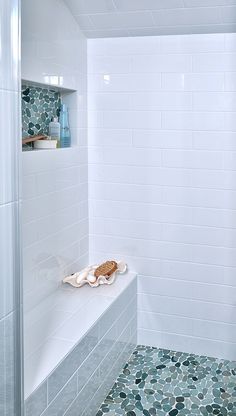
<point>210,321</point>
<point>188,336</point>
<point>179,298</point>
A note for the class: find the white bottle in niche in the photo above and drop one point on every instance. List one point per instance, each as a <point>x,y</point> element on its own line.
<point>54,130</point>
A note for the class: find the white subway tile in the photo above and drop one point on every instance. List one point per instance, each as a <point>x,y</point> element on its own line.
<point>193,159</point>
<point>125,156</point>
<point>196,309</point>
<point>192,43</point>
<point>193,82</point>
<point>162,139</point>
<point>109,65</point>
<point>223,141</point>
<point>214,62</point>
<point>230,81</point>
<point>127,228</point>
<point>214,101</point>
<point>141,211</point>
<point>161,101</point>
<point>186,289</point>
<point>110,137</point>
<point>228,14</point>
<point>125,82</point>
<point>202,273</point>
<point>107,101</point>
<point>196,121</point>
<point>161,63</point>
<point>188,343</point>
<point>132,119</point>
<point>186,326</point>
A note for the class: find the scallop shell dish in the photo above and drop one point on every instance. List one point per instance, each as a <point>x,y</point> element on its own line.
<point>96,275</point>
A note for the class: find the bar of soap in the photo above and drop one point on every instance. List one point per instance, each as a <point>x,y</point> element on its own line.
<point>45,144</point>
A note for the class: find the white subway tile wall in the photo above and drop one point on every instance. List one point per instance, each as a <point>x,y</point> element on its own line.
<point>162,182</point>
<point>55,183</point>
<point>55,220</point>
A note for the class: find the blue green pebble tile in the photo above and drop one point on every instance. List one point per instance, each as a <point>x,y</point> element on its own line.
<point>168,383</point>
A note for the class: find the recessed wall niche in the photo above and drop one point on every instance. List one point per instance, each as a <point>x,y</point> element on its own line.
<point>39,105</point>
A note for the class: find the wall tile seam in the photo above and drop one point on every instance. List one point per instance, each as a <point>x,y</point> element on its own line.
<point>166,277</point>
<point>232,268</point>
<point>58,192</point>
<point>162,51</point>
<point>130,201</point>
<point>80,222</point>
<point>37,175</point>
<point>67,265</point>
<point>180,91</point>
<point>180,298</point>
<point>112,369</point>
<point>189,336</point>
<point>157,186</point>
<point>97,369</point>
<point>159,111</point>
<point>30,247</point>
<point>57,395</point>
<point>104,384</point>
<point>121,355</point>
<point>157,71</point>
<point>164,223</point>
<point>136,183</point>
<point>119,253</point>
<point>27,172</point>
<point>192,319</point>
<point>158,130</point>
<point>37,221</point>
<point>200,300</point>
<point>190,207</point>
<point>79,259</point>
<point>132,93</point>
<point>177,243</point>
<point>163,166</point>
<point>128,57</point>
<point>167,240</point>
<point>178,150</point>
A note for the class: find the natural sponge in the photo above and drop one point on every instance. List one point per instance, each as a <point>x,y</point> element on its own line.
<point>106,269</point>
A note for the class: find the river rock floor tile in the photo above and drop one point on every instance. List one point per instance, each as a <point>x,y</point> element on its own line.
<point>163,382</point>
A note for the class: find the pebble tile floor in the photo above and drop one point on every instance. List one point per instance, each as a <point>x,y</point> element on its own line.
<point>163,382</point>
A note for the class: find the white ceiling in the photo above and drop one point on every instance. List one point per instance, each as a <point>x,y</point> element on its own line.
<point>112,18</point>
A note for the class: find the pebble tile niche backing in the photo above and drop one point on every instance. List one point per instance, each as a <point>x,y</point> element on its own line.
<point>39,105</point>
<point>158,382</point>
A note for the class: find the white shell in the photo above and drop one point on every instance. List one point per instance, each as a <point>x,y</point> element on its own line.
<point>91,278</point>
<point>87,276</point>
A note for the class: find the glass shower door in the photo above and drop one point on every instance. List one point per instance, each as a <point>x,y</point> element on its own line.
<point>10,270</point>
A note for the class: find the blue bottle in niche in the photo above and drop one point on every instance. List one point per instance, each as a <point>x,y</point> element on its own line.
<point>65,137</point>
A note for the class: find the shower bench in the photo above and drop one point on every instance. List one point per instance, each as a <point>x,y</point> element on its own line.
<point>88,336</point>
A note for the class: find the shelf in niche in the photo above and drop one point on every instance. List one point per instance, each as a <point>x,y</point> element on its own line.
<point>55,87</point>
